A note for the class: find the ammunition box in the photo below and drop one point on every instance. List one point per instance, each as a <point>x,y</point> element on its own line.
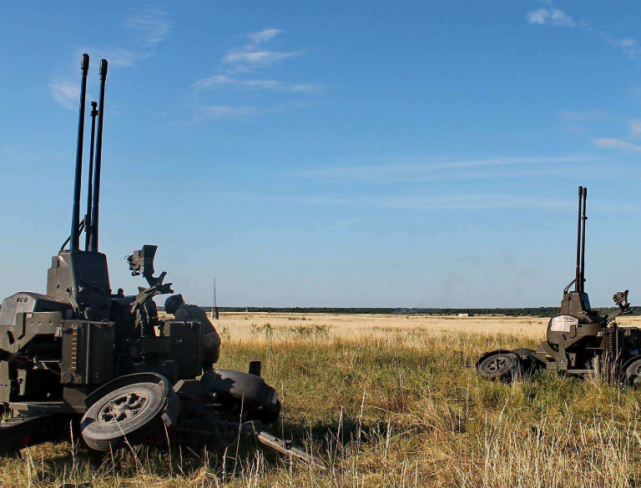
<point>87,352</point>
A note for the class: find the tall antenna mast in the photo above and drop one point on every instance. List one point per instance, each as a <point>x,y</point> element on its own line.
<point>214,310</point>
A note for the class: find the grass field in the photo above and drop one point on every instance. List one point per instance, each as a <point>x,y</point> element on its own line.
<point>388,401</point>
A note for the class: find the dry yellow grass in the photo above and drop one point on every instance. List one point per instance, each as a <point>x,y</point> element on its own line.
<point>388,401</point>
<point>347,326</point>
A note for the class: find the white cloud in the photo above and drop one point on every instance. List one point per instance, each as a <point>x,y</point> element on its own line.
<point>146,31</point>
<point>273,85</point>
<point>245,60</point>
<point>627,45</point>
<point>118,58</point>
<point>252,55</point>
<point>558,18</point>
<point>234,71</point>
<point>628,42</point>
<point>618,145</point>
<point>66,94</point>
<point>263,36</point>
<point>217,112</point>
<point>635,128</point>
<point>149,28</point>
<point>539,16</point>
<point>550,16</point>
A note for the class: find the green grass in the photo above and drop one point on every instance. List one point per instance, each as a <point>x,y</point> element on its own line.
<point>404,410</point>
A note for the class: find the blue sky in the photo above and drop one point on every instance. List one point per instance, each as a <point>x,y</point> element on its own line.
<point>410,153</point>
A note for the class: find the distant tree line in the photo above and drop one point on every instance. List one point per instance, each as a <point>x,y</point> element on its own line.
<point>510,312</point>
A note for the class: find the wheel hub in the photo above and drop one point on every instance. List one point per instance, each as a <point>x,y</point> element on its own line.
<point>123,408</point>
<point>499,364</point>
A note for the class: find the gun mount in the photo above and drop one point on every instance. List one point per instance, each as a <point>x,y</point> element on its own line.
<point>579,340</point>
<point>107,361</point>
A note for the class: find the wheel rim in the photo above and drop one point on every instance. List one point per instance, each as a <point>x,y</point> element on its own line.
<point>499,364</point>
<point>123,408</point>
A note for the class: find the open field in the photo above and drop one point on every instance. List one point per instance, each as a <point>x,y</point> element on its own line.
<point>389,401</point>
<point>243,326</point>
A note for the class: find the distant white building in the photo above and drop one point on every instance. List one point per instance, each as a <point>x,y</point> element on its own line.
<point>466,315</point>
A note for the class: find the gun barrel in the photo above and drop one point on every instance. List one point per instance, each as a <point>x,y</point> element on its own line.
<point>584,219</point>
<point>577,282</point>
<point>88,226</point>
<point>95,209</point>
<point>75,216</point>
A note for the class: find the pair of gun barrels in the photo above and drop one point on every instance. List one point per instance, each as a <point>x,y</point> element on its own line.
<point>92,215</point>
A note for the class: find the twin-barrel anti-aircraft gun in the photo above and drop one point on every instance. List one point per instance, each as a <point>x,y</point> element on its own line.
<point>104,362</point>
<point>580,341</point>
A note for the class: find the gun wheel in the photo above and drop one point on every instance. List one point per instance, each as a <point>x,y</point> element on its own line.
<point>500,365</point>
<point>123,408</point>
<point>134,413</point>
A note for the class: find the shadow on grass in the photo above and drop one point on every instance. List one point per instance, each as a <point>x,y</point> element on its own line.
<point>64,460</point>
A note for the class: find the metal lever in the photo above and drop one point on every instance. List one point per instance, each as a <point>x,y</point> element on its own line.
<point>287,448</point>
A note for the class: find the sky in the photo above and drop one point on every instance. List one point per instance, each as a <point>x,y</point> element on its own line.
<point>312,153</point>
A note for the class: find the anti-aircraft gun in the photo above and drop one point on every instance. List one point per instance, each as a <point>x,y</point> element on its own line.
<point>579,341</point>
<point>105,361</point>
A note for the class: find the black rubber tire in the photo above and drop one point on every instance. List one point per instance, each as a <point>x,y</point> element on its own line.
<point>505,366</point>
<point>102,433</point>
<point>266,416</point>
<point>633,374</point>
<point>259,399</point>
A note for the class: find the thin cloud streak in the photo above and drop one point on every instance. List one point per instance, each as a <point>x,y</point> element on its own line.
<point>558,18</point>
<point>146,31</point>
<point>149,28</point>
<point>618,145</point>
<point>635,128</point>
<point>217,112</point>
<point>240,112</point>
<point>582,115</point>
<point>263,36</point>
<point>245,59</point>
<point>219,81</point>
<point>580,120</point>
<point>419,202</point>
<point>249,57</point>
<point>65,93</point>
<point>430,171</point>
<point>117,57</point>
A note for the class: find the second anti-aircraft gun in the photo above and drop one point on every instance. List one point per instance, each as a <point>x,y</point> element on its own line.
<point>105,362</point>
<point>580,341</point>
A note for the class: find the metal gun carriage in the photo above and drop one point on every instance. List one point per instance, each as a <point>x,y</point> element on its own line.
<point>105,361</point>
<point>580,341</point>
